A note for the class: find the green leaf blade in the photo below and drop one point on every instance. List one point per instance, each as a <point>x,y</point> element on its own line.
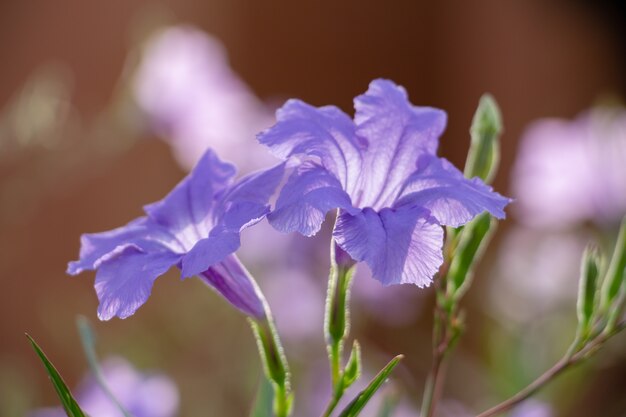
<point>616,274</point>
<point>71,407</point>
<point>587,291</point>
<point>356,406</point>
<point>474,239</point>
<point>352,370</point>
<point>264,398</point>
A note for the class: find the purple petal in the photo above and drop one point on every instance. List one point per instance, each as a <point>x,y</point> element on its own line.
<point>452,199</point>
<point>399,245</point>
<point>187,211</point>
<point>231,280</point>
<point>310,192</point>
<point>247,201</point>
<point>125,277</point>
<point>141,233</point>
<point>324,135</point>
<point>209,251</point>
<point>398,134</point>
<point>244,204</point>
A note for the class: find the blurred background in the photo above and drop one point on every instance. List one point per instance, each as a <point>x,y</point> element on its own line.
<point>104,106</point>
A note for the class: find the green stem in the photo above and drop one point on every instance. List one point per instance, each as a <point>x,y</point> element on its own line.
<point>443,337</point>
<point>575,354</point>
<point>332,405</point>
<point>274,363</point>
<point>335,359</point>
<point>337,321</point>
<point>272,355</point>
<point>442,345</point>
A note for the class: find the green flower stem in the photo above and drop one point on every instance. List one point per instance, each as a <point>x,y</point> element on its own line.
<point>575,355</point>
<point>333,403</point>
<point>337,322</point>
<point>274,363</point>
<point>272,357</point>
<point>462,249</point>
<point>445,334</point>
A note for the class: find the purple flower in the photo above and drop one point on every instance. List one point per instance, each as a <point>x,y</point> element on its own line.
<point>532,408</point>
<point>529,284</point>
<point>142,395</point>
<point>381,170</point>
<point>569,172</point>
<point>191,96</point>
<point>196,228</point>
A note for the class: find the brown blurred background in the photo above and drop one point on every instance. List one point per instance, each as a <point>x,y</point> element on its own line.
<point>87,167</point>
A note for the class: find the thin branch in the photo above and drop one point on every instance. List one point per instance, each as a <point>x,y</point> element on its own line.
<point>564,363</point>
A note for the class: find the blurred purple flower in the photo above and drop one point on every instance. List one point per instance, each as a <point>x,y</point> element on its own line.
<point>529,284</point>
<point>383,173</point>
<point>191,96</point>
<point>142,395</point>
<point>195,227</point>
<point>532,408</point>
<point>569,172</point>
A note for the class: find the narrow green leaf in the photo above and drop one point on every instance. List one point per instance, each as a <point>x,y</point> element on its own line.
<point>587,290</point>
<point>71,407</point>
<point>616,312</point>
<point>352,370</point>
<point>616,273</point>
<point>474,239</point>
<point>354,408</point>
<point>263,402</point>
<point>88,340</point>
<point>484,153</point>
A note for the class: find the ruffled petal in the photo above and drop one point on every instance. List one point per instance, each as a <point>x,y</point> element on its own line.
<point>399,245</point>
<point>324,135</point>
<point>397,133</point>
<point>141,233</point>
<point>242,205</point>
<point>187,211</point>
<point>452,199</point>
<point>209,251</point>
<point>246,202</point>
<point>310,192</point>
<point>125,277</point>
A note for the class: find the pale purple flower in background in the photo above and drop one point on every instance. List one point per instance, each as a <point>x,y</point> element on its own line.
<point>141,394</point>
<point>535,272</point>
<point>532,408</point>
<point>572,171</point>
<point>381,170</point>
<point>196,227</point>
<point>194,100</point>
